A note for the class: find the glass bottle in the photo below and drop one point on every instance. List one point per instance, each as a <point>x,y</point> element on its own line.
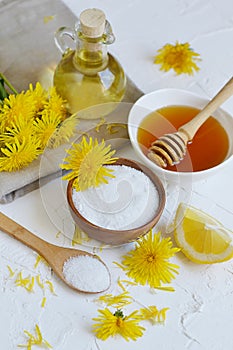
<point>88,75</point>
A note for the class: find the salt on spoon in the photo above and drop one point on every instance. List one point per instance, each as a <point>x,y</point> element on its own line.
<point>80,270</point>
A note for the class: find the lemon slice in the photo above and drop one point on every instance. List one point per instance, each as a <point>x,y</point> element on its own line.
<point>201,237</point>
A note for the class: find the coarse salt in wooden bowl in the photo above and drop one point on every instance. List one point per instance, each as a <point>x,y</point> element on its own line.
<point>116,236</point>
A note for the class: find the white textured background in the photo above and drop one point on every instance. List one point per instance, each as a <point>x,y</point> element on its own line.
<point>201,308</point>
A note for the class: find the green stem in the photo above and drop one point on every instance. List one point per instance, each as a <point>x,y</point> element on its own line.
<point>6,81</point>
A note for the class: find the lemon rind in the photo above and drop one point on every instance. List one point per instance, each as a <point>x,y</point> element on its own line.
<point>188,251</point>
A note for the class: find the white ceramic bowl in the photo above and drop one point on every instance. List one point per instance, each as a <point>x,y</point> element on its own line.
<point>167,97</point>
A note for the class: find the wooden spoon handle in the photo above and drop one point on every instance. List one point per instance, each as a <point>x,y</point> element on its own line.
<point>19,232</point>
<point>191,127</point>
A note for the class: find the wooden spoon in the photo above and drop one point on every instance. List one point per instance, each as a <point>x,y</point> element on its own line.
<point>54,255</point>
<point>170,149</point>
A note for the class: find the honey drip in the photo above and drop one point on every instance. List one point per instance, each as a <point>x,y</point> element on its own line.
<point>208,148</point>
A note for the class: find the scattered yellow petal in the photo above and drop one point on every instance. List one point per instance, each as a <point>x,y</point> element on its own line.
<point>117,301</point>
<point>101,247</point>
<point>38,280</point>
<point>130,283</point>
<point>113,128</point>
<point>120,284</point>
<point>119,265</point>
<point>10,271</point>
<point>51,287</point>
<point>48,19</point>
<point>25,282</point>
<point>83,133</point>
<point>43,302</point>
<point>126,282</point>
<point>167,289</point>
<point>58,234</point>
<point>98,125</point>
<point>36,339</point>
<point>38,259</point>
<point>30,285</point>
<point>79,237</point>
<point>152,314</point>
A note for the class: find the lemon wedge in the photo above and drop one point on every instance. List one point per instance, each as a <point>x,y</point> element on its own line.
<point>201,237</point>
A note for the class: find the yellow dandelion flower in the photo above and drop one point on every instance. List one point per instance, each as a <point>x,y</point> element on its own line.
<point>63,132</point>
<point>19,154</point>
<point>86,160</point>
<point>19,129</point>
<point>109,325</point>
<point>179,57</point>
<point>15,105</point>
<point>152,314</point>
<point>46,126</point>
<point>38,95</point>
<point>116,301</point>
<point>149,262</point>
<point>56,104</point>
<point>28,120</point>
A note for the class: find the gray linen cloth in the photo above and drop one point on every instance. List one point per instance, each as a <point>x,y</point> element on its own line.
<point>27,48</point>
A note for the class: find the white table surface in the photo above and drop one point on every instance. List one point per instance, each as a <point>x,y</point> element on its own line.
<point>201,308</point>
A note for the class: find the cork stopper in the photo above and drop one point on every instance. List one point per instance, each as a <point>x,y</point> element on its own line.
<point>92,22</point>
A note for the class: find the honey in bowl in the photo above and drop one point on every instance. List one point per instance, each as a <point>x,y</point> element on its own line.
<point>208,148</point>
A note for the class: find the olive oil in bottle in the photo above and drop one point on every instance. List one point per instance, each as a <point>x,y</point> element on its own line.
<point>89,75</point>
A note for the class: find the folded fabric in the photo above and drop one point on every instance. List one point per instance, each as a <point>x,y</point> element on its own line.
<point>29,27</point>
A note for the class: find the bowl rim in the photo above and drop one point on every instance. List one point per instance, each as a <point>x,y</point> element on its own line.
<point>147,161</point>
<point>138,166</point>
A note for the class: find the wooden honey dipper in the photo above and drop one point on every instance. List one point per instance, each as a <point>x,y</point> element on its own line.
<point>170,149</point>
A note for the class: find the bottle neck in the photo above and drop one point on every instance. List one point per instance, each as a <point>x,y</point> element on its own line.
<point>91,55</point>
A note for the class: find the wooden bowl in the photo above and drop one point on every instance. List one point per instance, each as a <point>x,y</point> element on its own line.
<point>115,237</point>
